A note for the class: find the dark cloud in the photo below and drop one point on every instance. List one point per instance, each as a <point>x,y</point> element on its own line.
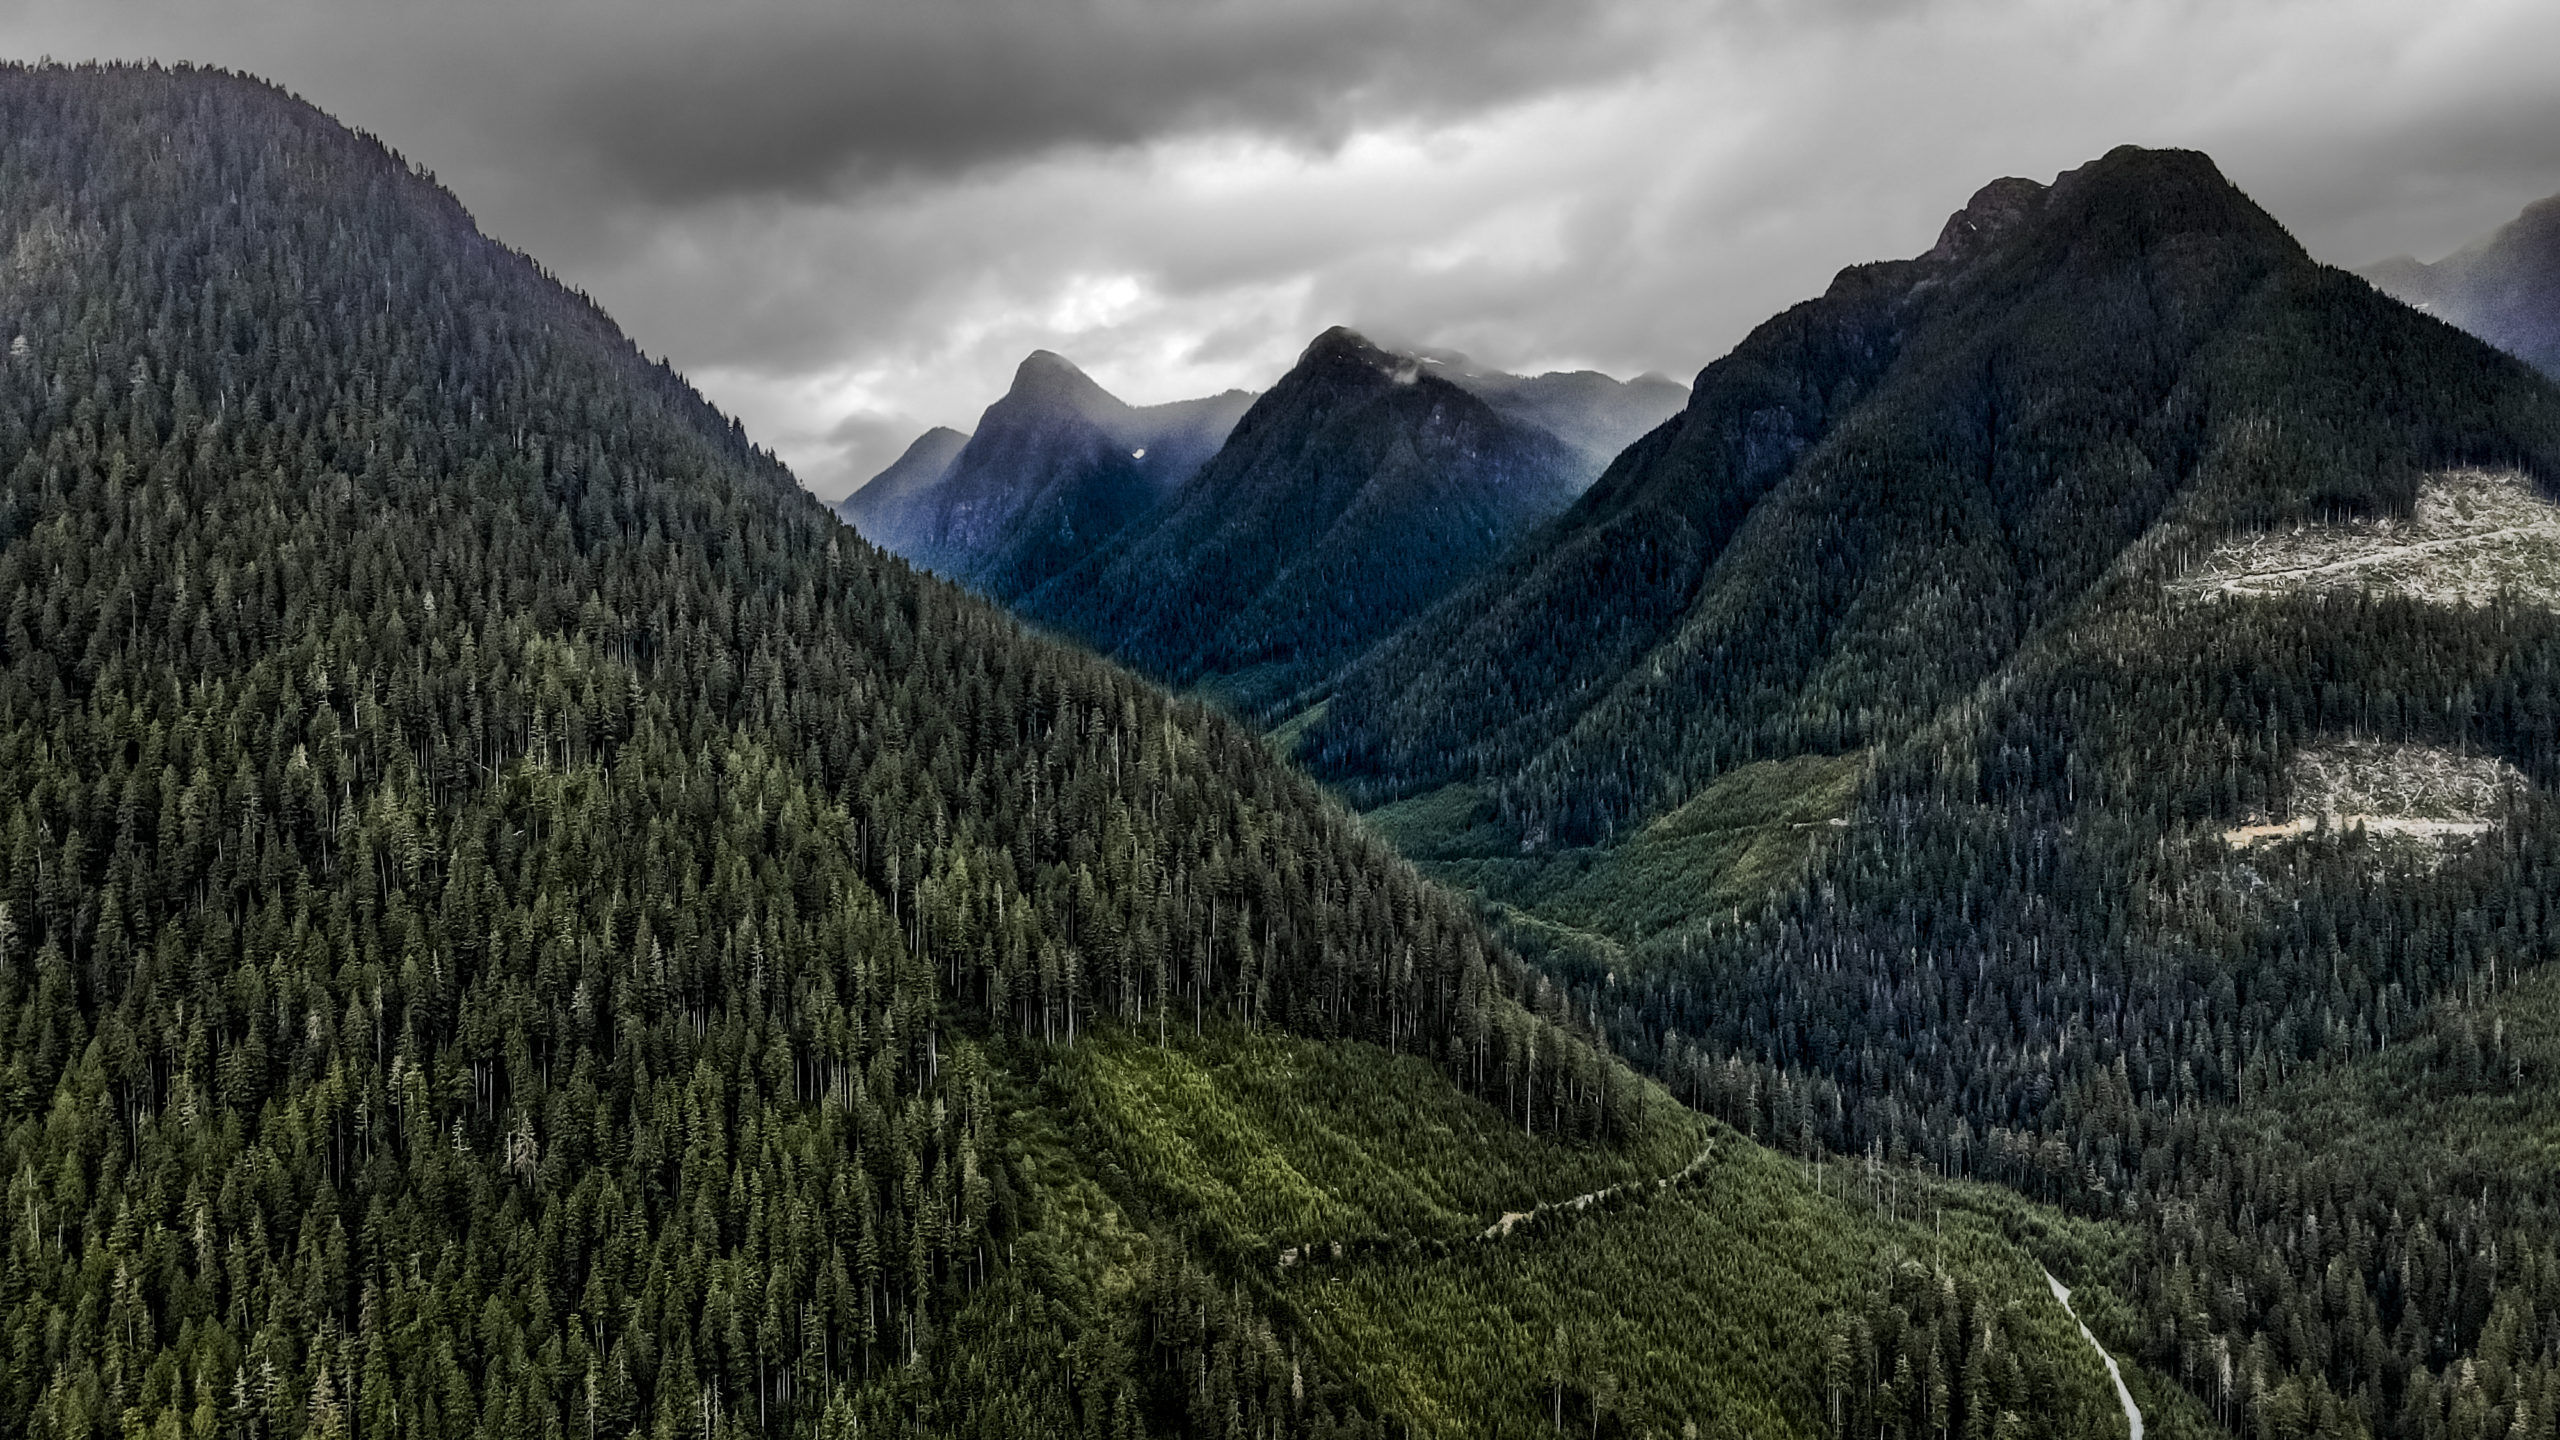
<point>676,102</point>
<point>849,221</point>
<point>720,102</point>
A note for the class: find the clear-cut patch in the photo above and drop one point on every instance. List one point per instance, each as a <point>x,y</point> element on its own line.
<point>2415,792</point>
<point>2477,535</point>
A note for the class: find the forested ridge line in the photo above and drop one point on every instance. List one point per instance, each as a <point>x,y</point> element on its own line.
<point>1878,499</point>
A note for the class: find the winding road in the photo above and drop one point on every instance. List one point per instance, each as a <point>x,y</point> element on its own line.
<point>1502,1227</point>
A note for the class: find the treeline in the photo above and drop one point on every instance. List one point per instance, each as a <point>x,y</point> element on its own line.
<point>512,920</point>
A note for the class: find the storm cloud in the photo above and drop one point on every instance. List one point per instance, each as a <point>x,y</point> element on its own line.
<point>849,221</point>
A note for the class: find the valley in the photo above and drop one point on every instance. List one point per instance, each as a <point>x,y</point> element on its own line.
<point>1988,869</point>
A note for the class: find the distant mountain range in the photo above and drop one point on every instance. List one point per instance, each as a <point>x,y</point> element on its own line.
<point>2504,288</point>
<point>1596,414</point>
<point>1349,498</point>
<point>1352,496</point>
<point>1057,465</point>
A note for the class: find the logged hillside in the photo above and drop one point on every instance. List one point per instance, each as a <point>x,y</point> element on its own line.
<point>513,921</point>
<point>2076,711</point>
<point>1354,494</point>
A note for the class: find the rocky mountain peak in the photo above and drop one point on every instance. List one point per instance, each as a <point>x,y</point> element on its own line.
<point>1051,379</point>
<point>1995,211</point>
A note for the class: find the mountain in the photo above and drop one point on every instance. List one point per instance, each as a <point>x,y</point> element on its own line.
<point>886,504</point>
<point>2504,288</point>
<point>1875,498</point>
<point>1350,497</point>
<point>1598,415</point>
<point>1056,466</point>
<point>2079,708</point>
<point>514,921</point>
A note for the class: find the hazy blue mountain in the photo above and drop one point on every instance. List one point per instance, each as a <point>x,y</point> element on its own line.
<point>885,505</point>
<point>2504,288</point>
<point>1056,466</point>
<point>1353,494</point>
<point>1598,415</point>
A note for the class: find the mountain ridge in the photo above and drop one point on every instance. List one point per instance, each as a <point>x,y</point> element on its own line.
<point>882,505</point>
<point>2155,242</point>
<point>1349,496</point>
<point>1056,465</point>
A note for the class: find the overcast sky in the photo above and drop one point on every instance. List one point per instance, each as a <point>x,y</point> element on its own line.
<point>847,221</point>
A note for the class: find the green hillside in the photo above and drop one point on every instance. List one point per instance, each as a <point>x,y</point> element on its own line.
<point>515,922</point>
<point>1709,1284</point>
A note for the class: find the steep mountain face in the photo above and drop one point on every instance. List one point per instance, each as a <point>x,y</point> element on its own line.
<point>1056,466</point>
<point>886,507</point>
<point>514,921</point>
<point>2504,289</point>
<point>1598,415</point>
<point>2078,708</point>
<point>1879,494</point>
<point>1355,493</point>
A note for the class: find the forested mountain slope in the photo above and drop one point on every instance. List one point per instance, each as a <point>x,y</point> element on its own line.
<point>2103,677</point>
<point>2505,288</point>
<point>1872,502</point>
<point>1056,466</point>
<point>513,921</point>
<point>1357,491</point>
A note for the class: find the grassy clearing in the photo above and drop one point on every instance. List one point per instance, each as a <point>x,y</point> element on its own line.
<point>1285,736</point>
<point>1708,1303</point>
<point>1740,838</point>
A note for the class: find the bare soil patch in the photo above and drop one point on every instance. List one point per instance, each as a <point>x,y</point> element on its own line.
<point>2477,535</point>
